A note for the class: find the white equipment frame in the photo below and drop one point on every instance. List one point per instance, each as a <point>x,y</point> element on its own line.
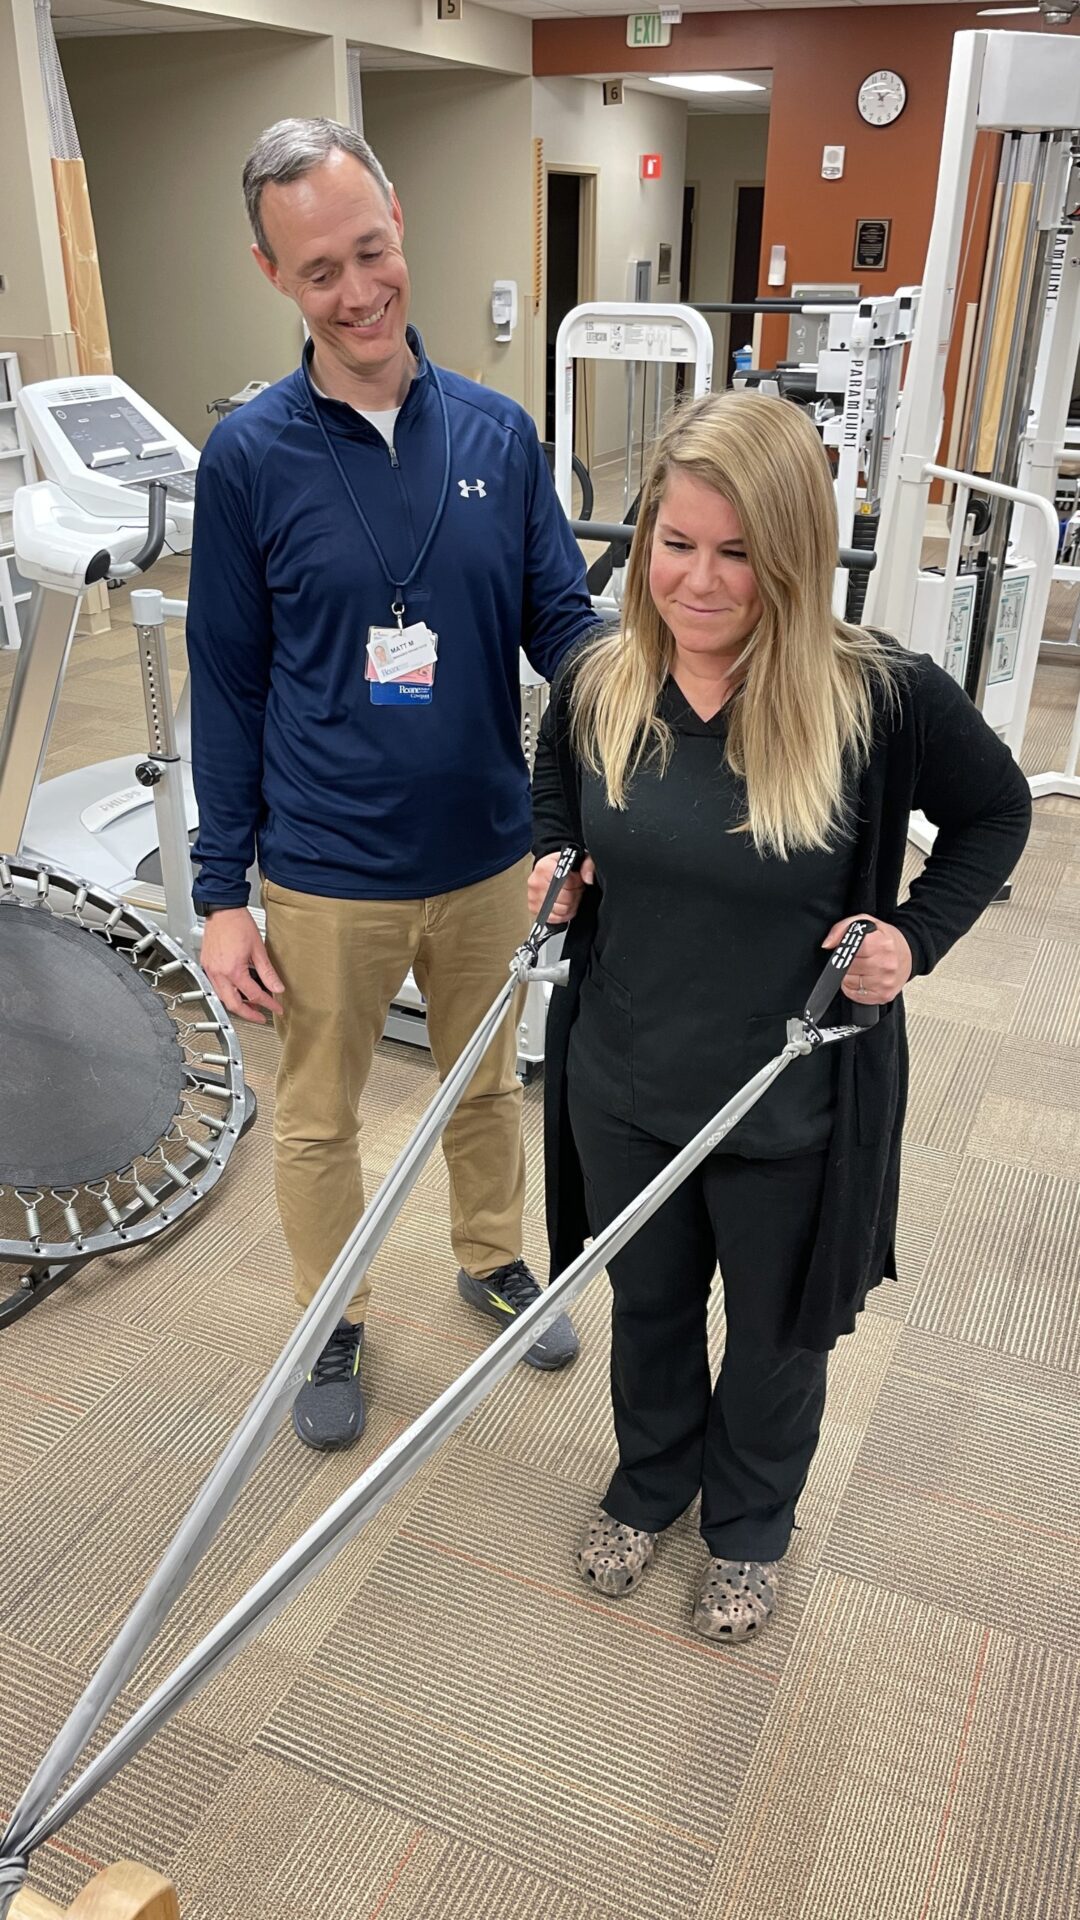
<point>632,333</point>
<point>999,82</point>
<point>864,359</point>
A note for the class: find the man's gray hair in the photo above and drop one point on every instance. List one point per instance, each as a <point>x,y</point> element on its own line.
<point>291,148</point>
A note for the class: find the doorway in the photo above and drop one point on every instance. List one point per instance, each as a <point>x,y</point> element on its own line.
<point>569,279</point>
<point>686,245</point>
<point>745,261</point>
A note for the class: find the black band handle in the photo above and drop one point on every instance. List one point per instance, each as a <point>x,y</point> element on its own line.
<point>829,983</point>
<point>564,867</point>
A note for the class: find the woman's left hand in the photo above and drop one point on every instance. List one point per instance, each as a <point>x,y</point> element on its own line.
<point>882,966</point>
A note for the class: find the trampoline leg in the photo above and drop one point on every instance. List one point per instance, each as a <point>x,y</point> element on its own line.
<point>123,1891</point>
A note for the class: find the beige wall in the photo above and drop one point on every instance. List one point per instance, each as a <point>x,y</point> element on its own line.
<point>482,36</point>
<point>457,147</point>
<point>633,215</point>
<point>34,321</point>
<point>723,151</point>
<point>165,122</point>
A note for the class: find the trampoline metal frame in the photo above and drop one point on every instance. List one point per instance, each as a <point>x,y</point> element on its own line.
<point>160,1200</point>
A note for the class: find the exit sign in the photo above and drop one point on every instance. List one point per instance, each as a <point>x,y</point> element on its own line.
<point>647,30</point>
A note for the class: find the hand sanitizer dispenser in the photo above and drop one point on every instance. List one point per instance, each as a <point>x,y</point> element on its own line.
<point>504,308</point>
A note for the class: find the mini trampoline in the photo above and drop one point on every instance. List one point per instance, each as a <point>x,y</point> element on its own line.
<point>121,1084</point>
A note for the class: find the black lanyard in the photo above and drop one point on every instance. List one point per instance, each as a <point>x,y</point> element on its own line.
<point>397,587</point>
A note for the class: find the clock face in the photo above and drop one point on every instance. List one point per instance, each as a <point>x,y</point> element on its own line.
<point>882,98</point>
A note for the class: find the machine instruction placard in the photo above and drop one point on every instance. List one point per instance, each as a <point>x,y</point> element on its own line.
<point>1005,652</point>
<point>958,637</point>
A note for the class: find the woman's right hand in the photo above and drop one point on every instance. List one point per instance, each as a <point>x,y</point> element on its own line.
<point>568,900</point>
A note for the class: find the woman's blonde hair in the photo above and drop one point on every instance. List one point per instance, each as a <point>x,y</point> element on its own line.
<point>801,718</point>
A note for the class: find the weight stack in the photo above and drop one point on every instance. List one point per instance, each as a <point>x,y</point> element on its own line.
<point>864,538</point>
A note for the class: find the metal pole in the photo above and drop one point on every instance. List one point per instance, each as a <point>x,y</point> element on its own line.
<point>168,789</point>
<point>631,408</point>
<point>345,1519</point>
<point>35,696</point>
<point>1007,167</point>
<point>250,1440</point>
<point>1020,375</point>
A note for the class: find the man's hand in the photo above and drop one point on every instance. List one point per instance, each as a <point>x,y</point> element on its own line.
<point>234,956</point>
<point>882,966</point>
<point>568,899</point>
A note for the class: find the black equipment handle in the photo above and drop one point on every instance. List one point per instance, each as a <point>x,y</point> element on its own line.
<point>770,305</point>
<point>157,497</point>
<point>100,567</point>
<point>615,530</point>
<point>835,968</point>
<point>857,559</point>
<point>581,475</point>
<point>853,559</point>
<point>564,867</point>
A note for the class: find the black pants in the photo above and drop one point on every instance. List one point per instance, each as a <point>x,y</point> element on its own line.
<point>748,1443</point>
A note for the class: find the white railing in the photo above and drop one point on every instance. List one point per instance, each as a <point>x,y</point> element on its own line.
<point>1034,614</point>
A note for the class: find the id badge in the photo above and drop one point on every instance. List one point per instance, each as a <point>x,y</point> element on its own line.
<point>400,666</point>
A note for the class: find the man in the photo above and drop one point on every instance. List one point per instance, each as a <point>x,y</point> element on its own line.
<point>374,536</point>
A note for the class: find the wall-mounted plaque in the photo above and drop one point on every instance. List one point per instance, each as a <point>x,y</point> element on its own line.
<point>871,245</point>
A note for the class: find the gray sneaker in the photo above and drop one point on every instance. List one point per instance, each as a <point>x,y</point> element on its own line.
<point>328,1412</point>
<point>504,1294</point>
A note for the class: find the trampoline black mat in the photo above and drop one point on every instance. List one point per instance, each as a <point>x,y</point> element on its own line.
<point>91,1070</point>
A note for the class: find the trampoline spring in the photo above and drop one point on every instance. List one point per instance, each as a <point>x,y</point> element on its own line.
<point>176,1174</point>
<point>114,919</point>
<point>204,1026</point>
<point>205,1154</point>
<point>211,1124</point>
<point>72,1222</point>
<point>211,1087</point>
<point>215,1059</point>
<point>108,1207</point>
<point>6,881</point>
<point>171,966</point>
<point>148,1199</point>
<point>144,945</point>
<point>195,994</point>
<point>33,1222</point>
<point>42,884</point>
<point>80,899</point>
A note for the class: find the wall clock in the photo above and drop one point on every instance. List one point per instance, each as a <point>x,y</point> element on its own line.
<point>882,98</point>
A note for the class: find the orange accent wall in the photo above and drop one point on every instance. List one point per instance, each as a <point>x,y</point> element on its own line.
<point>818,56</point>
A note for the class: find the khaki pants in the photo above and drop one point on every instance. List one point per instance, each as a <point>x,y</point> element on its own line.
<point>342,962</point>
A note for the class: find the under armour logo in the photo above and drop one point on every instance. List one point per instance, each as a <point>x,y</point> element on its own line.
<point>478,489</point>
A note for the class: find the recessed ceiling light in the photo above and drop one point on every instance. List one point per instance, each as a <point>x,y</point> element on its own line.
<point>706,82</point>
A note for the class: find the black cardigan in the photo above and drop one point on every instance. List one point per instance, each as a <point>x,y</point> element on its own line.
<point>932,751</point>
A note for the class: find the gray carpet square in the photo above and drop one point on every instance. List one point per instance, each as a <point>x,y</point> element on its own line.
<point>1002,1271</point>
<point>965,1495</point>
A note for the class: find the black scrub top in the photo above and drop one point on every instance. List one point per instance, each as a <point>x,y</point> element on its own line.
<point>704,949</point>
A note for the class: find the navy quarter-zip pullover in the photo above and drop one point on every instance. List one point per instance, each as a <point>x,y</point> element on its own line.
<point>291,758</point>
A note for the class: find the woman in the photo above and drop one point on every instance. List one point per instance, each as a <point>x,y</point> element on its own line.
<point>740,766</point>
